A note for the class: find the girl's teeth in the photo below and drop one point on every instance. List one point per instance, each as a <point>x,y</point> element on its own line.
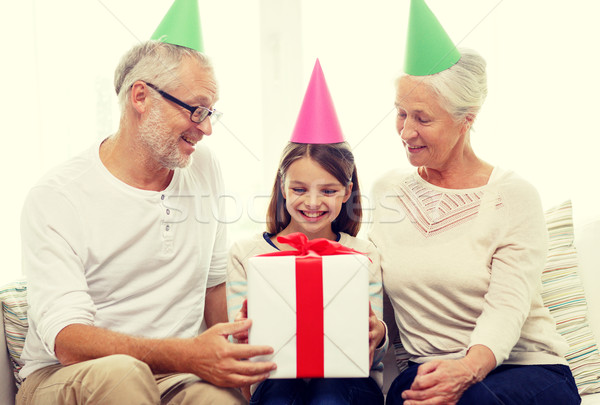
<point>312,214</point>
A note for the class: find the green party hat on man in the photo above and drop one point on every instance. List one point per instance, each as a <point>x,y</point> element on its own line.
<point>429,49</point>
<point>181,26</point>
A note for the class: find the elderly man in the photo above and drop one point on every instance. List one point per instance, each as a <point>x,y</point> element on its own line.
<point>125,255</point>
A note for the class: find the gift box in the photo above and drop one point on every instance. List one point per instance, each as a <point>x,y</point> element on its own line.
<point>312,306</point>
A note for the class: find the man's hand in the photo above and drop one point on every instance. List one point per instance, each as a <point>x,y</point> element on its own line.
<point>376,333</point>
<point>214,359</point>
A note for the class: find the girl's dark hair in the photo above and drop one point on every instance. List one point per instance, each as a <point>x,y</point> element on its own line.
<point>338,160</point>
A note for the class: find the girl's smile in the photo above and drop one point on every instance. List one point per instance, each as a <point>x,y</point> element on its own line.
<point>313,215</point>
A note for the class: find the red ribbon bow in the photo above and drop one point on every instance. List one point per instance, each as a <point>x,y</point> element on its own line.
<point>305,247</point>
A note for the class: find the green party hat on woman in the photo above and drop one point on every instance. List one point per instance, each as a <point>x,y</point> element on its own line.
<point>429,49</point>
<point>181,26</point>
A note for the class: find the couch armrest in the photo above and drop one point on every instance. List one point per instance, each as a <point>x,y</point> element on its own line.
<point>587,243</point>
<point>8,389</point>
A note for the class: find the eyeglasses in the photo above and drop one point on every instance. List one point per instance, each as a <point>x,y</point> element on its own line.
<point>197,114</point>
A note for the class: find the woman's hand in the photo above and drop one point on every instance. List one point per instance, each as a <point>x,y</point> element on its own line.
<point>242,337</point>
<point>444,381</point>
<point>376,333</point>
<point>439,382</point>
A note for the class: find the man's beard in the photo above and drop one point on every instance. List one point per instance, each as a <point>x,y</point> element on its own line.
<point>158,140</point>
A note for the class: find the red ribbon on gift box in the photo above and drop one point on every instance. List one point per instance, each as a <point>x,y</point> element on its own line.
<point>310,351</point>
<point>305,247</point>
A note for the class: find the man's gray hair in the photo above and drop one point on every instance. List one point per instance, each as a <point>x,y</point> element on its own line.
<point>153,62</point>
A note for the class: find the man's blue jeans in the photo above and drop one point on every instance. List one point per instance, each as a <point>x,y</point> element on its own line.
<point>321,391</point>
<point>507,385</point>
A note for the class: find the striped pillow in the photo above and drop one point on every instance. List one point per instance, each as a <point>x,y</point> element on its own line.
<point>14,310</point>
<point>562,292</point>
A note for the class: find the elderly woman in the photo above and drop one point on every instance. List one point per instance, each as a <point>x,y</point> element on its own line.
<point>463,245</point>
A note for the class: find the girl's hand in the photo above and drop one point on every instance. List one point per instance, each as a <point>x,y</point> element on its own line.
<point>376,333</point>
<point>246,392</point>
<point>242,337</point>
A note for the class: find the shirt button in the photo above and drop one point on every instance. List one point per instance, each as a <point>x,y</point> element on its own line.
<point>162,197</point>
<point>168,211</point>
<point>167,227</point>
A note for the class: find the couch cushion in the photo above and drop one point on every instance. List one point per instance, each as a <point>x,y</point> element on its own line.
<point>14,310</point>
<point>564,296</point>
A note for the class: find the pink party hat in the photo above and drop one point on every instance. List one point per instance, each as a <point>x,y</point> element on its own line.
<point>317,121</point>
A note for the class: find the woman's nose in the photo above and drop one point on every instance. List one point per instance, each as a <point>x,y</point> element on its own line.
<point>407,129</point>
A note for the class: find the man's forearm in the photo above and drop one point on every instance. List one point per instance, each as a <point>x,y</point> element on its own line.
<point>76,343</point>
<point>209,355</point>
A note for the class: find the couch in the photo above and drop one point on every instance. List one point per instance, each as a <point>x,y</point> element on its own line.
<point>571,290</point>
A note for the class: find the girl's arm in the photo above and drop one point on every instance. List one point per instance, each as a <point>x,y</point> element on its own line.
<point>237,282</point>
<point>378,336</point>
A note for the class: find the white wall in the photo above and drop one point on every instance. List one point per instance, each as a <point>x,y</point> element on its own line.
<point>540,118</point>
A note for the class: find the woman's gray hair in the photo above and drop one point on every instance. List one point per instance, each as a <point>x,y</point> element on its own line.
<point>153,62</point>
<point>462,88</point>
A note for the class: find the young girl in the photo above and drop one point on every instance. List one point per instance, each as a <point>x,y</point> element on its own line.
<point>316,192</point>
